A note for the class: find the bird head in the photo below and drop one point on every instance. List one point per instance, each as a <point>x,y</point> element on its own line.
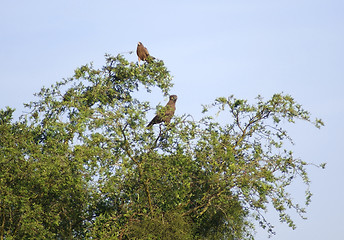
<point>173,98</point>
<point>139,43</point>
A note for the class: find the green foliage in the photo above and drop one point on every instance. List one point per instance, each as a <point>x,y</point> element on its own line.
<point>42,193</point>
<point>82,165</point>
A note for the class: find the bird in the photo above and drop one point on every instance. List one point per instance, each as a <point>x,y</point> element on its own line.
<point>166,113</point>
<point>143,54</point>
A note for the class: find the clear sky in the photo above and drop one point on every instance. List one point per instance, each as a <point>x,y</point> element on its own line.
<point>213,49</point>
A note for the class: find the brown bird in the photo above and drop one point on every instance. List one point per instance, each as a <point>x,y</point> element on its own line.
<point>166,113</point>
<point>143,53</point>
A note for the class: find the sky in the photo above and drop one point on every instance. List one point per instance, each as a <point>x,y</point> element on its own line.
<point>212,49</point>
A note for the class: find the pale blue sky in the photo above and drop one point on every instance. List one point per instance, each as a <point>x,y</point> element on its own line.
<point>213,49</point>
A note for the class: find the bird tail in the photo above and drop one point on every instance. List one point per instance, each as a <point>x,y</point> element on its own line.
<point>150,59</point>
<point>154,121</point>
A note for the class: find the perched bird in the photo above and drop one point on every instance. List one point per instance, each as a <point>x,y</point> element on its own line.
<point>143,53</point>
<point>166,113</point>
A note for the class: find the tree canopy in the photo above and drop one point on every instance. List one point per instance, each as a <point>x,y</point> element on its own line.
<point>82,165</point>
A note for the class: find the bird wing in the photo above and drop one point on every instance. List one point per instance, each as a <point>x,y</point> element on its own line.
<point>145,51</point>
<point>155,120</point>
<point>165,114</point>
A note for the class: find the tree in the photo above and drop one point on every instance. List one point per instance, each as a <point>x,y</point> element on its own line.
<point>42,193</point>
<point>97,172</point>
